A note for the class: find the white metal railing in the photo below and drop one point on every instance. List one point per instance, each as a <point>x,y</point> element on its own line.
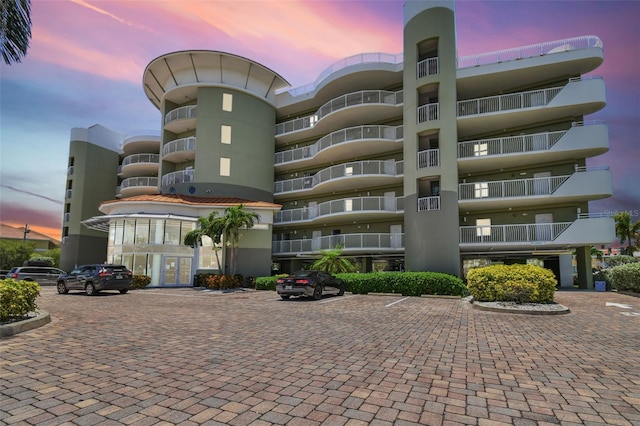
<point>428,112</point>
<point>516,233</point>
<point>141,158</point>
<point>428,158</point>
<point>139,181</point>
<point>181,176</point>
<point>189,111</point>
<point>68,193</point>
<point>429,66</point>
<point>507,102</point>
<point>363,97</point>
<point>372,241</point>
<point>510,188</point>
<point>391,133</point>
<point>359,168</point>
<point>70,171</point>
<point>530,51</point>
<point>429,203</point>
<point>179,145</point>
<point>344,205</point>
<point>360,59</point>
<point>66,217</point>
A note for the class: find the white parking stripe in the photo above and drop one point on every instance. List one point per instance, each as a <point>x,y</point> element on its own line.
<point>335,299</point>
<point>397,301</point>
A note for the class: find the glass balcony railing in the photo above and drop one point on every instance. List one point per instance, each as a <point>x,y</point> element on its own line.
<point>141,158</point>
<point>348,242</point>
<point>390,133</point>
<point>342,206</point>
<point>365,97</point>
<point>360,168</point>
<point>179,145</point>
<point>139,181</point>
<point>190,111</point>
<point>181,176</point>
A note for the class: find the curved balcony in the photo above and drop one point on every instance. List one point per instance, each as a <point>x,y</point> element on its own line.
<point>351,243</point>
<point>181,176</point>
<point>138,186</point>
<point>580,96</point>
<point>361,174</point>
<point>139,165</point>
<point>141,141</point>
<point>586,184</point>
<point>586,230</point>
<point>181,119</point>
<point>583,139</point>
<point>179,150</point>
<point>366,209</point>
<point>347,143</point>
<point>378,105</point>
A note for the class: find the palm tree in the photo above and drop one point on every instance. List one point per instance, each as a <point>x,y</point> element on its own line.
<point>234,219</point>
<point>211,227</point>
<point>15,29</point>
<point>625,229</point>
<point>332,262</point>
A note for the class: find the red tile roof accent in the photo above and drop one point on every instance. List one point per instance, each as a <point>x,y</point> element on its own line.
<point>192,200</point>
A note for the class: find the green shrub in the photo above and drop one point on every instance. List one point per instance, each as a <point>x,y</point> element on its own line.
<point>614,261</point>
<point>17,298</point>
<point>266,283</point>
<point>515,283</point>
<point>626,277</point>
<point>140,281</point>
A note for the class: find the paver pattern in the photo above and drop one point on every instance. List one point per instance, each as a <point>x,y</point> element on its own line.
<point>190,357</point>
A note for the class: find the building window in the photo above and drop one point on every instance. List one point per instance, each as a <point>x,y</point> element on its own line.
<point>348,171</point>
<point>480,149</point>
<point>348,205</point>
<point>483,227</point>
<point>227,102</point>
<point>225,166</point>
<point>481,189</point>
<point>225,134</point>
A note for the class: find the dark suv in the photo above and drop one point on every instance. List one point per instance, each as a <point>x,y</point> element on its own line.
<point>96,277</point>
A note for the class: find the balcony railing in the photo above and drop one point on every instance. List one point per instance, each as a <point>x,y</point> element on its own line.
<point>428,112</point>
<point>360,168</point>
<point>429,66</point>
<point>507,102</point>
<point>141,158</point>
<point>390,133</point>
<point>345,205</point>
<point>139,181</point>
<point>181,176</point>
<point>363,58</point>
<point>177,145</point>
<point>349,242</point>
<point>428,203</point>
<point>510,188</point>
<point>365,97</point>
<point>68,193</point>
<point>190,111</point>
<point>530,51</point>
<point>517,233</point>
<point>428,158</point>
<point>70,171</point>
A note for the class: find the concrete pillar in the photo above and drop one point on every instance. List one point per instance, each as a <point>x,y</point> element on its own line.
<point>583,260</point>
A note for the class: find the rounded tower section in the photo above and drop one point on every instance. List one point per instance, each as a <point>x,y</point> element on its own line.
<point>218,124</point>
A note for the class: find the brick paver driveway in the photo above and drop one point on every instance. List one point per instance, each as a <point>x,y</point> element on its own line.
<point>183,356</point>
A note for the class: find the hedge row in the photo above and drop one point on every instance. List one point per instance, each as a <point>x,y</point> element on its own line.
<point>512,283</point>
<point>404,283</point>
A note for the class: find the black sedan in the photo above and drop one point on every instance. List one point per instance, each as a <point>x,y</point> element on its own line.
<point>309,283</point>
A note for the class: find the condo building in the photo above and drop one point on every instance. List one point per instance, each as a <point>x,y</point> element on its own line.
<point>418,161</point>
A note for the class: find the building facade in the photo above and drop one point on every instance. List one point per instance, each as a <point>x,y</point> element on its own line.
<point>420,161</point>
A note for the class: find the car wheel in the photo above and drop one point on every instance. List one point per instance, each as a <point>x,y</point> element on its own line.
<point>285,296</point>
<point>90,289</point>
<point>62,289</point>
<point>317,292</point>
<point>124,290</point>
<point>341,291</point>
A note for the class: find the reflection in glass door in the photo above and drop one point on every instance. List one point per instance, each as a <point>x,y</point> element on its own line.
<point>177,271</point>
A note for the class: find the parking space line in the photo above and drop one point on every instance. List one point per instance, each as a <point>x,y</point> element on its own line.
<point>397,301</point>
<point>335,299</point>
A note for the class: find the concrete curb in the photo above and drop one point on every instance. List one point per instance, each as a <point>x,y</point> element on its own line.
<point>521,311</point>
<point>41,318</point>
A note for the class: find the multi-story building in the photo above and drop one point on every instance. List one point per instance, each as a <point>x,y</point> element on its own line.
<point>419,161</point>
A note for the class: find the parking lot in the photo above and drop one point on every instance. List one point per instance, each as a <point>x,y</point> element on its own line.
<point>187,356</point>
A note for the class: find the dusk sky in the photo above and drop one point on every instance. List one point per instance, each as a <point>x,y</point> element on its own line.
<point>86,59</point>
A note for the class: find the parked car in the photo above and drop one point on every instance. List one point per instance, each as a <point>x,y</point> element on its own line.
<point>94,278</point>
<point>43,275</point>
<point>309,283</point>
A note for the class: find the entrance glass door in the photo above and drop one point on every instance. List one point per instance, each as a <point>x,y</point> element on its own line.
<point>177,271</point>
